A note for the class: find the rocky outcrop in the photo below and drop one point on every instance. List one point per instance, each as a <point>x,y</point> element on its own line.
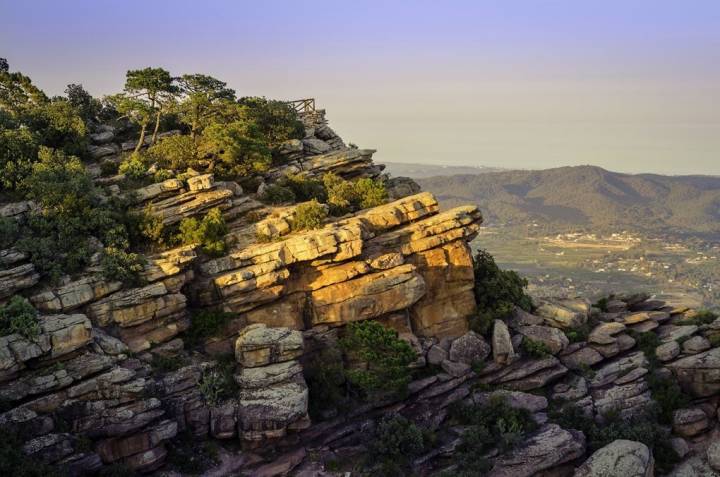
<point>620,457</point>
<point>273,394</point>
<point>549,447</point>
<point>399,256</point>
<point>699,374</point>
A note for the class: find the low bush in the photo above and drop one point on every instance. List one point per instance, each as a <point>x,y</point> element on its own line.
<point>668,395</point>
<point>643,428</point>
<point>166,364</point>
<point>491,425</point>
<point>14,463</point>
<point>497,292</point>
<point>535,349</point>
<point>305,188</point>
<point>122,266</point>
<point>308,216</point>
<point>396,441</point>
<point>209,233</point>
<point>19,316</point>
<point>218,383</point>
<point>206,323</point>
<point>325,377</point>
<point>9,232</point>
<point>276,194</point>
<point>191,455</point>
<point>383,360</point>
<point>346,196</point>
<point>109,168</point>
<point>134,166</point>
<point>579,333</point>
<point>702,317</point>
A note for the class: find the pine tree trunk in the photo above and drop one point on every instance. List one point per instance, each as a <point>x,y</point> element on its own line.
<point>157,126</point>
<point>142,138</point>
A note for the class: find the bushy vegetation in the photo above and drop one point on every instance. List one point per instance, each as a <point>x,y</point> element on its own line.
<point>341,196</point>
<point>13,462</point>
<point>308,216</point>
<point>382,360</point>
<point>346,196</point>
<point>218,383</point>
<point>58,237</point>
<point>325,377</point>
<point>643,428</point>
<point>191,455</point>
<point>535,349</point>
<point>19,316</point>
<point>702,317</point>
<point>206,323</point>
<point>491,425</point>
<point>209,233</point>
<point>497,292</point>
<point>122,266</point>
<point>395,443</point>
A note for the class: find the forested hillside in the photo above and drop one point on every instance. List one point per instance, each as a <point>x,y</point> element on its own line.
<point>588,196</point>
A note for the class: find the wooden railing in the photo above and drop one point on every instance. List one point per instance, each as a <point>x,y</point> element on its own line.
<point>303,106</point>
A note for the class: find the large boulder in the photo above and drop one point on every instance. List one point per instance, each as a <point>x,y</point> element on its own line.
<point>469,348</point>
<point>502,346</point>
<point>620,458</point>
<point>562,314</point>
<point>553,338</point>
<point>699,374</point>
<point>550,447</point>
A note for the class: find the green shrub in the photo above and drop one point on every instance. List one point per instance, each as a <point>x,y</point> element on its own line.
<point>714,340</point>
<point>497,292</point>
<point>370,192</point>
<point>668,396</point>
<point>122,266</point>
<point>13,462</point>
<point>643,428</point>
<point>209,233</point>
<point>345,196</point>
<point>166,364</point>
<point>702,317</point>
<point>491,425</point>
<point>396,441</point>
<point>57,238</point>
<point>535,349</point>
<point>177,152</point>
<point>308,216</point>
<point>305,188</point>
<point>206,323</point>
<point>162,175</point>
<point>134,166</point>
<point>9,232</point>
<point>647,342</point>
<point>384,358</point>
<point>218,383</point>
<point>602,303</point>
<point>578,334</point>
<point>19,316</point>
<point>191,455</point>
<point>108,168</point>
<point>277,194</point>
<point>325,378</point>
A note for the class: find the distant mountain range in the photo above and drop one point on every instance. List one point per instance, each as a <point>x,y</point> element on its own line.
<point>588,196</point>
<point>417,171</point>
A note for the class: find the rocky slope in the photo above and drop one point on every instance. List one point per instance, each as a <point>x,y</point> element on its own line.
<point>86,393</point>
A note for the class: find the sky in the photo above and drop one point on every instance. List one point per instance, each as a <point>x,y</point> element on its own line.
<point>628,85</point>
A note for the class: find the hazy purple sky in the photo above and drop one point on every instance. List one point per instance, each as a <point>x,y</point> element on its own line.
<point>624,84</point>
